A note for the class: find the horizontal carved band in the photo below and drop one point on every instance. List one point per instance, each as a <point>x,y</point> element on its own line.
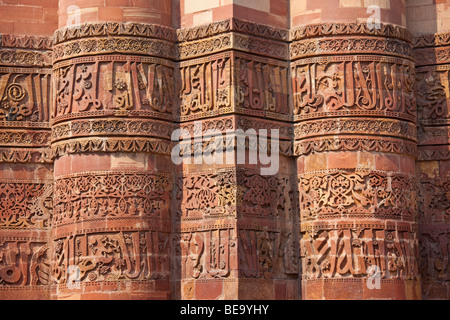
<point>232,123</point>
<point>24,97</point>
<point>230,25</point>
<point>349,143</point>
<point>233,41</point>
<point>26,42</point>
<point>433,95</point>
<point>432,56</point>
<point>218,146</point>
<point>434,136</point>
<point>111,144</point>
<point>167,49</point>
<point>259,87</point>
<point>237,193</point>
<point>87,196</point>
<point>26,58</point>
<point>359,194</point>
<point>112,256</point>
<point>25,204</point>
<point>111,29</point>
<point>135,87</point>
<point>433,153</point>
<point>161,32</point>
<point>131,45</point>
<point>362,126</point>
<point>350,45</point>
<point>352,252</point>
<point>237,25</point>
<point>112,127</point>
<point>349,29</point>
<point>312,227</point>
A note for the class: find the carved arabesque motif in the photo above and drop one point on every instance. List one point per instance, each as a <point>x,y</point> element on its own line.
<point>343,252</point>
<point>93,195</point>
<point>24,96</point>
<point>266,253</point>
<point>434,254</point>
<point>24,262</point>
<point>235,192</point>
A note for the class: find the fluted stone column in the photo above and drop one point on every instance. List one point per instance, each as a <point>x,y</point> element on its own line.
<point>355,138</point>
<point>113,112</point>
<point>238,227</point>
<point>26,169</point>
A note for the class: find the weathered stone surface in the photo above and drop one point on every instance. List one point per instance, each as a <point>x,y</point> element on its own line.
<point>93,207</point>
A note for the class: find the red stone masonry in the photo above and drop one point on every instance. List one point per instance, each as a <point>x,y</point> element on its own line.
<point>93,207</point>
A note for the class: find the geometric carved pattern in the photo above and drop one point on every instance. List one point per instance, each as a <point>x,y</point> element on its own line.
<point>357,194</point>
<point>94,195</point>
<point>260,87</point>
<point>120,87</point>
<point>24,262</point>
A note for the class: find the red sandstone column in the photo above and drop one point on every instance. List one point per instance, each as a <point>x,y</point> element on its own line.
<point>430,27</point>
<point>113,112</point>
<point>238,227</point>
<point>355,138</point>
<point>26,169</point>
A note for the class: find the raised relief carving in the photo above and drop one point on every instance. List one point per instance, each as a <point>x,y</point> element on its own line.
<point>261,87</point>
<point>343,252</point>
<point>88,196</point>
<point>25,204</point>
<point>113,256</point>
<point>434,254</point>
<point>264,253</point>
<point>207,194</point>
<point>231,192</point>
<point>24,263</point>
<point>349,194</point>
<point>364,88</point>
<point>109,86</point>
<point>207,254</point>
<point>205,88</point>
<point>432,93</point>
<point>24,97</point>
<point>434,200</point>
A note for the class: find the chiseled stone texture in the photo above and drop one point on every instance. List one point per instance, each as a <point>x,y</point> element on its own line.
<point>93,207</point>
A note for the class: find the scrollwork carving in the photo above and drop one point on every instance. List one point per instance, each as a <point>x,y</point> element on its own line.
<point>93,195</point>
<point>349,194</point>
